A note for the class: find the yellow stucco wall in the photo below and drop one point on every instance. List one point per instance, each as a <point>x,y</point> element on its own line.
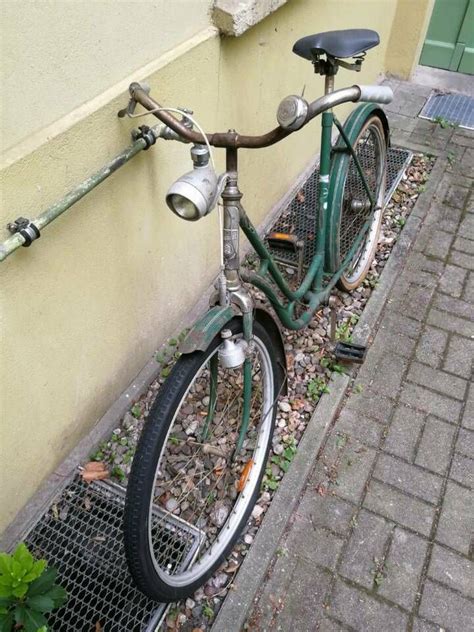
<point>83,309</point>
<point>408,33</point>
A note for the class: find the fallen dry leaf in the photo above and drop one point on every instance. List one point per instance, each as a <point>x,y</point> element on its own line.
<point>98,627</point>
<point>321,490</point>
<point>94,471</point>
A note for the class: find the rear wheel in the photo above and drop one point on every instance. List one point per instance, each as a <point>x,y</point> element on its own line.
<point>354,207</point>
<point>190,492</point>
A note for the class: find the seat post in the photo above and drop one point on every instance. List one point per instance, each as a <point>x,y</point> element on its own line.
<point>328,84</point>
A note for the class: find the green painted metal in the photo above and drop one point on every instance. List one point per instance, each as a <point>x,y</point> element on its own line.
<point>54,211</point>
<point>449,42</point>
<point>246,404</point>
<point>340,163</point>
<point>206,328</point>
<point>323,191</point>
<point>211,409</point>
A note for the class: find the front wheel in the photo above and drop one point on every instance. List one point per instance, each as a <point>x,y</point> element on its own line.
<point>352,203</point>
<point>190,492</point>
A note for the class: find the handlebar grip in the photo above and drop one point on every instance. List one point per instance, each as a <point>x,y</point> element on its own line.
<point>376,94</point>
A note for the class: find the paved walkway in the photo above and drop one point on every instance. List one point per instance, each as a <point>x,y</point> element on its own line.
<point>381,538</point>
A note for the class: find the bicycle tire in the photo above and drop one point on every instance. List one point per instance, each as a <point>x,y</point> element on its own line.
<point>157,579</point>
<point>352,204</point>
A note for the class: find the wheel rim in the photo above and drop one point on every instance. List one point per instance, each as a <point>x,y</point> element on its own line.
<point>212,512</point>
<point>369,150</point>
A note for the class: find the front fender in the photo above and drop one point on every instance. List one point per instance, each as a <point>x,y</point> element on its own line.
<point>205,329</point>
<point>210,324</point>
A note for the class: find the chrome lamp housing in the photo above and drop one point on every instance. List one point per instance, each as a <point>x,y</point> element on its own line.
<point>195,194</point>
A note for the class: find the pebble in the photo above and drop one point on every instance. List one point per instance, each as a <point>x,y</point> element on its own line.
<point>284,406</point>
<point>257,512</point>
<point>248,539</point>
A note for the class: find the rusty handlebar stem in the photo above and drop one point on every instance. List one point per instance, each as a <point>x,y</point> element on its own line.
<point>233,139</point>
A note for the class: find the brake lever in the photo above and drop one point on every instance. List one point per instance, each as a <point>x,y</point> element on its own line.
<point>132,104</point>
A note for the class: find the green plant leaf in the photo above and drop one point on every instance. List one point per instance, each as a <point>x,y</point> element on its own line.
<point>58,594</point>
<point>40,603</point>
<point>5,592</point>
<point>5,561</point>
<point>30,619</point>
<point>6,622</point>
<point>20,590</point>
<point>23,557</point>
<point>36,571</point>
<point>44,583</point>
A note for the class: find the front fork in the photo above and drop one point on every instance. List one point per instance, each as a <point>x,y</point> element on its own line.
<point>231,291</point>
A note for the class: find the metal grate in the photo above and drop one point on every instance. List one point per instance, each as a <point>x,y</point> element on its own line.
<point>300,217</point>
<point>457,109</point>
<point>81,535</point>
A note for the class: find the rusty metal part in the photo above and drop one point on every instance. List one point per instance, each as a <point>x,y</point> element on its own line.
<point>232,139</point>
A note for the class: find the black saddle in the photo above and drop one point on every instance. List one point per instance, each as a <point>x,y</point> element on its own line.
<point>347,43</point>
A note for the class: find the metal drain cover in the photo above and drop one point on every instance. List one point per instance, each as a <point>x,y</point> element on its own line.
<point>81,535</point>
<point>300,217</point>
<point>457,109</point>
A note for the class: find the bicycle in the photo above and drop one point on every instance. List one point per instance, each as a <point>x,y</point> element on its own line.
<point>200,461</point>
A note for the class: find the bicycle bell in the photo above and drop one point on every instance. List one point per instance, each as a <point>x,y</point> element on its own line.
<point>292,112</point>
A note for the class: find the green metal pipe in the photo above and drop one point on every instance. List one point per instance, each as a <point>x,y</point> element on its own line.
<point>54,211</point>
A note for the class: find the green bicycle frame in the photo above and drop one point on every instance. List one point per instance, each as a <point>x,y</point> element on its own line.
<point>316,284</point>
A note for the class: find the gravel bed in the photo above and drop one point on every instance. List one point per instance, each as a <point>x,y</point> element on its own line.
<point>310,365</point>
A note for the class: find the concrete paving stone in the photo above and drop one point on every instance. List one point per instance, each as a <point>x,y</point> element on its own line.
<point>465,443</point>
<point>401,122</point>
<point>466,168</point>
<point>328,625</point>
<point>408,478</point>
<point>420,625</point>
<point>468,415</point>
<point>462,470</point>
<point>273,595</point>
<point>419,261</point>
<point>454,306</point>
<point>423,278</point>
<point>392,342</point>
<point>440,381</point>
<point>439,244</point>
<point>456,196</point>
<point>456,520</point>
<point>448,322</point>
<point>416,302</point>
<point>313,543</point>
<point>468,294</point>
<point>303,603</point>
<point>452,280</point>
<point>434,450</point>
<point>406,103</point>
<point>397,506</point>
<point>460,356</point>
<point>367,543</point>
<point>464,245</point>
<point>449,222</point>
<point>403,568</point>
<point>431,402</point>
<point>327,511</point>
<point>461,139</point>
<point>388,375</point>
<point>362,612</point>
<point>403,432</point>
<point>368,431</point>
<point>428,141</point>
<point>446,608</point>
<point>431,346</point>
<point>455,571</point>
<point>373,405</point>
<point>353,472</point>
<point>462,259</point>
<point>466,228</point>
<point>398,323</point>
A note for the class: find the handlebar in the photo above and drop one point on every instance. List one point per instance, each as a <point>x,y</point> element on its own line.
<point>231,139</point>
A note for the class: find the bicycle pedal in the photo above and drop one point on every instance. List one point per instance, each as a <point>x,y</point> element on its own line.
<point>285,241</point>
<point>350,352</point>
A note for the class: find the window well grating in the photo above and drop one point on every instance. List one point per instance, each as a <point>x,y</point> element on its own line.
<point>457,109</point>
<point>300,217</point>
<point>81,535</point>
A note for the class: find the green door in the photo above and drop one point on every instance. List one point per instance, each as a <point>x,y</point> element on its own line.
<point>449,42</point>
